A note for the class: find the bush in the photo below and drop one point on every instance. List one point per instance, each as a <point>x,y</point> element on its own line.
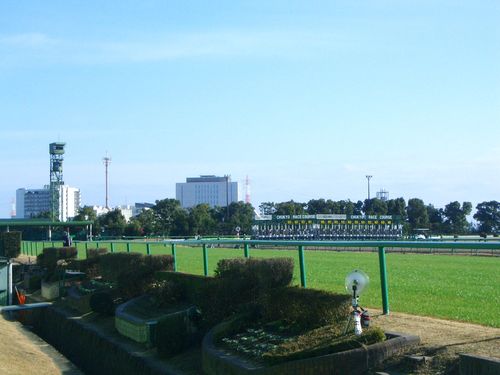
<point>54,260</point>
<point>90,265</point>
<point>254,273</point>
<point>305,309</point>
<point>172,335</point>
<point>177,332</point>
<point>112,265</point>
<point>132,272</point>
<point>166,293</point>
<point>102,303</point>
<point>244,280</point>
<point>10,244</point>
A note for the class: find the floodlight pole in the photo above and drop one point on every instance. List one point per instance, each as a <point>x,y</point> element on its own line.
<point>368,177</point>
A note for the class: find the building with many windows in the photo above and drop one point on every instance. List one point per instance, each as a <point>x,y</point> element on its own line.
<point>212,190</point>
<point>33,202</point>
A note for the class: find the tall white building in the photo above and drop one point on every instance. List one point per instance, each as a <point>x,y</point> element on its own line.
<point>212,190</point>
<point>32,202</point>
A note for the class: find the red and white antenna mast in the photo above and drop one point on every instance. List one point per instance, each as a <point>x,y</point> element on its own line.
<point>247,190</point>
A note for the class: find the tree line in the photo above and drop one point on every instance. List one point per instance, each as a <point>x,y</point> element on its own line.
<point>168,218</point>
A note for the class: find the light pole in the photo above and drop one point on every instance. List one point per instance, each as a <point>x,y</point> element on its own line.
<point>368,177</point>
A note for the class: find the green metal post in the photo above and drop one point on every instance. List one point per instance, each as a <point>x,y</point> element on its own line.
<point>128,247</point>
<point>205,260</point>
<point>31,248</point>
<point>148,248</point>
<point>175,257</point>
<point>86,250</point>
<point>302,264</point>
<point>383,280</point>
<point>112,245</point>
<point>246,250</point>
<point>36,248</point>
<point>53,244</point>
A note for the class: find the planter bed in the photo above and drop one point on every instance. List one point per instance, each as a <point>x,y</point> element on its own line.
<point>138,318</point>
<point>218,360</point>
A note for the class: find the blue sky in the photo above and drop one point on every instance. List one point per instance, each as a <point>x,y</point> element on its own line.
<point>304,97</point>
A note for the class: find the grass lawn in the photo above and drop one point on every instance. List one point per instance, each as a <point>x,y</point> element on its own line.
<point>463,288</point>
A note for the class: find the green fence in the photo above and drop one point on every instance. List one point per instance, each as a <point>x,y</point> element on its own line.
<point>381,247</point>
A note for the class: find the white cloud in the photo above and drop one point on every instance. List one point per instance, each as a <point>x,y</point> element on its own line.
<point>27,40</point>
<point>227,43</point>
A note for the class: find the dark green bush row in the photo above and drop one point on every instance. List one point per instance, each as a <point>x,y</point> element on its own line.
<point>250,273</point>
<point>193,286</point>
<point>90,265</point>
<point>132,272</point>
<point>54,259</point>
<point>305,308</point>
<point>10,244</point>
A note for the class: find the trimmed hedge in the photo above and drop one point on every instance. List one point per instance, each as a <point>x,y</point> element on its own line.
<point>132,272</point>
<point>10,244</point>
<point>252,273</point>
<point>54,258</point>
<point>90,265</point>
<point>305,309</point>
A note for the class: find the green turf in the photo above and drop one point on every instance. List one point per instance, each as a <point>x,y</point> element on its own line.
<point>464,288</point>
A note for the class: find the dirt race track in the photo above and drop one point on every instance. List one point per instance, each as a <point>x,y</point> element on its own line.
<point>23,353</point>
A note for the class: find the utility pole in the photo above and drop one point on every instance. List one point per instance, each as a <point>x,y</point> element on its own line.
<point>107,161</point>
<point>368,177</point>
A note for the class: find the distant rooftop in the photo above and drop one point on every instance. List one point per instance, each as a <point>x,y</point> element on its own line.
<point>208,178</point>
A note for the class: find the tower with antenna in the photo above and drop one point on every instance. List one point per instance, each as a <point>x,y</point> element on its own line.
<point>56,152</point>
<point>107,161</point>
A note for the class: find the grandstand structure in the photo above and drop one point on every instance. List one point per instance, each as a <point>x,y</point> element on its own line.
<point>327,227</point>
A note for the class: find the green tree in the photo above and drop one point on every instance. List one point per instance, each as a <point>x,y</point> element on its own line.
<point>201,220</point>
<point>146,221</point>
<point>240,215</point>
<point>456,217</point>
<point>112,223</point>
<point>290,208</point>
<point>397,207</point>
<point>436,218</point>
<point>86,213</point>
<point>488,217</point>
<point>417,214</point>
<point>375,206</point>
<point>166,212</point>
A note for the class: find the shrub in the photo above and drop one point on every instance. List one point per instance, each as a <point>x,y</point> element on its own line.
<point>112,265</point>
<point>244,280</point>
<point>177,332</point>
<point>90,265</point>
<point>193,286</point>
<point>166,292</point>
<point>132,272</point>
<point>102,303</point>
<point>256,273</point>
<point>10,244</point>
<point>305,309</point>
<point>54,260</point>
<point>172,335</point>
